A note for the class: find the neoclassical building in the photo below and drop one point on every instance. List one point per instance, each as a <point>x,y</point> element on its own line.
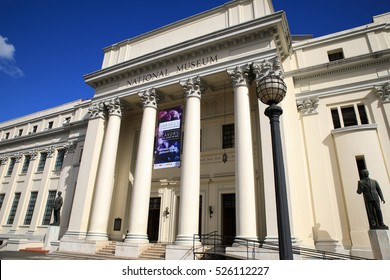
<point>175,142</point>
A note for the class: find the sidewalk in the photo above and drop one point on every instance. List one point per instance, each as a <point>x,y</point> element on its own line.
<point>18,255</point>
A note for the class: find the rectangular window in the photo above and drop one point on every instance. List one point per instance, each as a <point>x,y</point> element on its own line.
<point>30,208</point>
<point>336,118</point>
<point>227,136</point>
<point>2,196</point>
<point>349,116</point>
<point>7,135</point>
<point>20,132</point>
<point>59,160</point>
<point>335,55</point>
<point>361,165</point>
<point>50,125</point>
<point>26,163</point>
<point>362,114</point>
<point>11,167</point>
<point>49,207</point>
<point>14,207</point>
<point>35,128</point>
<point>41,163</point>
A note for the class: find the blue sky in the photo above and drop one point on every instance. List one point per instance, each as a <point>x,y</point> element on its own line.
<point>46,46</point>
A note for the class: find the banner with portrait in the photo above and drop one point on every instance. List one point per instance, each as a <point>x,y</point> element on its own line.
<point>168,138</point>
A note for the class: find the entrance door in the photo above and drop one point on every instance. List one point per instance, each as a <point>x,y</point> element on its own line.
<point>228,218</point>
<point>154,218</point>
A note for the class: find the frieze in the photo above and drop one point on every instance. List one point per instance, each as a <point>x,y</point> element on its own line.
<point>177,69</point>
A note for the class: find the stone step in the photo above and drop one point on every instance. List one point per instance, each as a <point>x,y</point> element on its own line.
<point>155,252</point>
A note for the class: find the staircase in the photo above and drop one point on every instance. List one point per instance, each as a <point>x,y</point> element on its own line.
<point>155,252</point>
<point>107,251</point>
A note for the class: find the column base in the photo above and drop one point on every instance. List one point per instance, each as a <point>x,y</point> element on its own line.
<point>82,246</point>
<point>52,235</point>
<point>187,240</point>
<point>97,236</point>
<point>136,238</point>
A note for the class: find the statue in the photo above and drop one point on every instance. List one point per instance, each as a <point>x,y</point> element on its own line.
<point>57,208</point>
<point>372,193</point>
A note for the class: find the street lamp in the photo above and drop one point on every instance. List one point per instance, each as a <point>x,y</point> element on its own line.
<point>271,90</point>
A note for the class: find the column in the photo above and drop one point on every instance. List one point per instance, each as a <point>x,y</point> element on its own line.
<point>244,170</point>
<point>105,180</point>
<point>139,208</point>
<point>190,169</point>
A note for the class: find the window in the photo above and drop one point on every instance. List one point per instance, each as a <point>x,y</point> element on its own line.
<point>11,167</point>
<point>59,160</point>
<point>49,205</point>
<point>2,195</point>
<point>361,165</point>
<point>26,163</point>
<point>50,125</point>
<point>335,55</point>
<point>35,128</point>
<point>349,115</point>
<point>7,135</point>
<point>30,208</point>
<point>20,132</point>
<point>42,161</point>
<point>14,207</point>
<point>227,136</point>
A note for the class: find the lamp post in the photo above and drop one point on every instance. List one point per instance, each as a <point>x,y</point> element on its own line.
<point>271,90</point>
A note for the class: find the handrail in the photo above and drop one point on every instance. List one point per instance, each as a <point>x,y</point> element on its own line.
<point>216,240</point>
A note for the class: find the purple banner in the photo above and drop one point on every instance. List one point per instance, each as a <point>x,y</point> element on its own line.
<point>168,137</point>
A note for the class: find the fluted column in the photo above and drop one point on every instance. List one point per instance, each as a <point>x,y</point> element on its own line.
<point>190,169</point>
<point>105,180</point>
<point>139,208</point>
<point>245,180</point>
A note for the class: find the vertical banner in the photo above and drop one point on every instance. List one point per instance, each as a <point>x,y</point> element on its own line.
<point>168,138</point>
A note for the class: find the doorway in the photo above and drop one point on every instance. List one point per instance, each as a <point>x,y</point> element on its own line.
<point>228,218</point>
<point>154,218</point>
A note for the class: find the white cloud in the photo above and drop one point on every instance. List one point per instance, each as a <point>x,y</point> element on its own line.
<point>7,61</point>
<point>6,50</point>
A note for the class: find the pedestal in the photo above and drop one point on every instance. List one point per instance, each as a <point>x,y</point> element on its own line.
<point>53,233</point>
<point>380,243</point>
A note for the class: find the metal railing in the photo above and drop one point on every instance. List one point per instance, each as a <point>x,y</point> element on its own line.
<point>214,244</point>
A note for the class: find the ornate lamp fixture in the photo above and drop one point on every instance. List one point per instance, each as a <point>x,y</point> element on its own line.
<point>271,90</point>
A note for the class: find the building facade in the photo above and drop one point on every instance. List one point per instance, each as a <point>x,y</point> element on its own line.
<point>175,141</point>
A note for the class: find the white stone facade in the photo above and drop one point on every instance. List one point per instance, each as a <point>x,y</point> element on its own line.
<point>336,119</point>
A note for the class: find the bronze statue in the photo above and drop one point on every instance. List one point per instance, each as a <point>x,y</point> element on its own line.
<point>372,193</point>
<point>57,208</point>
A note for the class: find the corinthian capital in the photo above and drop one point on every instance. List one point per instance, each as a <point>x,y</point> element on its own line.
<point>240,75</point>
<point>3,160</point>
<point>114,107</point>
<point>383,92</point>
<point>308,105</point>
<point>149,97</point>
<point>194,87</point>
<point>264,68</point>
<point>97,110</point>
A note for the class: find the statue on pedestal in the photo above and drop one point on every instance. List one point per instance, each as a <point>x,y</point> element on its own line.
<point>57,209</point>
<point>372,193</point>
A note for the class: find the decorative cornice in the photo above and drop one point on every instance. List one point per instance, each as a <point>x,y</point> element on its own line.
<point>308,106</point>
<point>194,87</point>
<point>265,68</point>
<point>149,98</point>
<point>383,92</point>
<point>340,66</point>
<point>240,75</point>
